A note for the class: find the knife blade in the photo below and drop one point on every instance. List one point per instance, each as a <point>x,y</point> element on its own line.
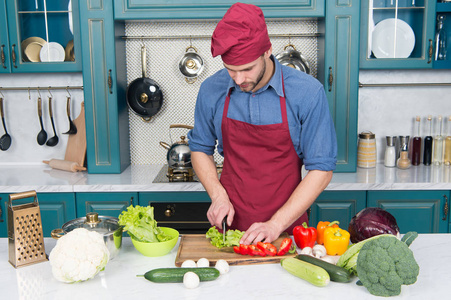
<point>224,229</point>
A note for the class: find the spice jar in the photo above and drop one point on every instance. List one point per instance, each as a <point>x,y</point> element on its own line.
<point>366,150</point>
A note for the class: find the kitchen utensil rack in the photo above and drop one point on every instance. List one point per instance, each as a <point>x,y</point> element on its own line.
<point>406,84</point>
<point>144,37</point>
<point>39,88</point>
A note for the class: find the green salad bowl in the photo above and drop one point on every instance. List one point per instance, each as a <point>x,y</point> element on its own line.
<point>158,248</point>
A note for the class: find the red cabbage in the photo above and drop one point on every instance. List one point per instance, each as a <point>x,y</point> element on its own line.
<point>370,222</point>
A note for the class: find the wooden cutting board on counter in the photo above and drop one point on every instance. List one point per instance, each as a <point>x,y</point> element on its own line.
<point>196,246</point>
<point>76,144</point>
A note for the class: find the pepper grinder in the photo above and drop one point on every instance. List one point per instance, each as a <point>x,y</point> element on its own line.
<point>403,161</point>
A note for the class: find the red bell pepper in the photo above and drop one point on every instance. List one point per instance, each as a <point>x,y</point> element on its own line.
<point>268,248</point>
<point>254,250</point>
<point>304,236</point>
<point>236,249</point>
<point>244,249</point>
<point>285,246</point>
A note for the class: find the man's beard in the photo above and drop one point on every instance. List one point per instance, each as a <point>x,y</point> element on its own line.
<point>252,85</point>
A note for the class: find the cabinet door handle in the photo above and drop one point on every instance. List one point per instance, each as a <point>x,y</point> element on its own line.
<point>431,51</point>
<point>3,58</point>
<point>131,201</point>
<point>445,208</point>
<point>13,55</point>
<point>331,79</point>
<point>110,81</point>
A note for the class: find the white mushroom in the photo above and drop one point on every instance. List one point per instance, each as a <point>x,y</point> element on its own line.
<point>319,251</point>
<point>222,266</point>
<point>191,280</point>
<point>307,250</point>
<point>203,263</point>
<point>189,264</point>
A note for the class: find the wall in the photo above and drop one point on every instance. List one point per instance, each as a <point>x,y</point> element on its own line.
<point>392,110</point>
<point>22,120</point>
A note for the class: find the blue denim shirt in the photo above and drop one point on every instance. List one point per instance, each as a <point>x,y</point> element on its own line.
<point>311,127</point>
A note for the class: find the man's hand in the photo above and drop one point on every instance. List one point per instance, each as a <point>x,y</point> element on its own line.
<point>266,232</point>
<point>218,210</point>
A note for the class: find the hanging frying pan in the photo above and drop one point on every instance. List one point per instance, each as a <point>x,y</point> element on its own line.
<point>144,96</point>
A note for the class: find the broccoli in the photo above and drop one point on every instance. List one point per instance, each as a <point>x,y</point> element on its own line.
<point>384,264</point>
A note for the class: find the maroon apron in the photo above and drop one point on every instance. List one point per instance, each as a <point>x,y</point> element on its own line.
<point>261,168</point>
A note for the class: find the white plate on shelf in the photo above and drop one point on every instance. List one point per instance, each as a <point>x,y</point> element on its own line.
<point>69,8</point>
<point>52,52</point>
<point>392,38</point>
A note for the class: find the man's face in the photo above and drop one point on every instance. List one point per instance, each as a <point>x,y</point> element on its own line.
<point>248,76</point>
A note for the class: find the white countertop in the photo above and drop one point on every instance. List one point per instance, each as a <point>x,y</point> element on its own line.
<point>267,281</point>
<point>139,178</point>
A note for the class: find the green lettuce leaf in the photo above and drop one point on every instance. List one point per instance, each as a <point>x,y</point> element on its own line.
<point>140,224</point>
<point>233,237</point>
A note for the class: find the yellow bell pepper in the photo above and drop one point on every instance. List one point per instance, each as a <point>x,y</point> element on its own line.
<point>336,240</point>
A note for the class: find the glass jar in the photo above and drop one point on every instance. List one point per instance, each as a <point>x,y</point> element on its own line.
<point>366,150</point>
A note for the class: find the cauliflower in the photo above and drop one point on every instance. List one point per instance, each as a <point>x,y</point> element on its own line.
<point>78,256</point>
<point>386,263</point>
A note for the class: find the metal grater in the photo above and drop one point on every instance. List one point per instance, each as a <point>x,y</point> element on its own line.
<point>25,238</point>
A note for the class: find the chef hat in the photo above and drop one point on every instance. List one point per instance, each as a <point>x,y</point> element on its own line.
<point>241,36</point>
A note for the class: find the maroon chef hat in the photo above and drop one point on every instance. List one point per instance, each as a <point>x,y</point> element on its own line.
<point>241,36</point>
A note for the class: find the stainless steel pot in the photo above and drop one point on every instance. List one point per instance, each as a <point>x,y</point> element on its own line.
<point>179,154</point>
<point>108,227</point>
<point>191,64</point>
<point>292,58</point>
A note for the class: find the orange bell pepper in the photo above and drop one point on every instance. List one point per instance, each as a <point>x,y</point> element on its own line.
<point>320,230</point>
<point>336,240</point>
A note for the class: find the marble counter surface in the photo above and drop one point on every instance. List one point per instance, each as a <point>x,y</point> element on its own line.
<point>140,178</point>
<point>267,281</point>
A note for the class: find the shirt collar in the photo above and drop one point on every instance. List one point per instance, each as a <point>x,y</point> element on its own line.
<point>275,82</point>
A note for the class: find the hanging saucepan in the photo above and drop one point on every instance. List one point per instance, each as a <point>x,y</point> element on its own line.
<point>292,58</point>
<point>191,64</point>
<point>144,96</point>
<point>179,154</point>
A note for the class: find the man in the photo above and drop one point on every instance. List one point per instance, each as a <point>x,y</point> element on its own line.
<point>268,120</point>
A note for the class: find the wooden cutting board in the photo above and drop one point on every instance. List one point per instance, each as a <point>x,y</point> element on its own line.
<point>196,246</point>
<point>76,144</point>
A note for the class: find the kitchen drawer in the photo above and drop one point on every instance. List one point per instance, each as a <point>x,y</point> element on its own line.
<point>211,9</point>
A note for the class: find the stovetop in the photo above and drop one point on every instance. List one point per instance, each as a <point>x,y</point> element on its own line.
<point>163,178</point>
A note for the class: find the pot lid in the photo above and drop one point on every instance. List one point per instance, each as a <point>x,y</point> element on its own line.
<point>93,222</point>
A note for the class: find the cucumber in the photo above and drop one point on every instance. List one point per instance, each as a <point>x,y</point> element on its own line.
<point>307,271</point>
<point>164,275</point>
<point>336,273</point>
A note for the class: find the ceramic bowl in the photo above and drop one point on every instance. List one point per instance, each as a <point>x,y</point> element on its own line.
<point>158,248</point>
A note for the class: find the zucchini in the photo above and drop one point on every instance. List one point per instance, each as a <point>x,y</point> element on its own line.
<point>164,275</point>
<point>336,273</point>
<point>307,271</point>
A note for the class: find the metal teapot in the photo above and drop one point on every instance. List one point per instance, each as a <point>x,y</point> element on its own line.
<point>179,154</point>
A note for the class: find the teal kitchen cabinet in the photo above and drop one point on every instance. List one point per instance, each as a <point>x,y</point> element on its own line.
<point>339,72</point>
<point>56,209</point>
<point>105,204</point>
<point>27,26</point>
<point>337,206</point>
<point>3,213</point>
<point>411,22</point>
<point>212,9</point>
<point>183,211</point>
<point>104,77</point>
<point>444,9</point>
<point>420,211</point>
<point>4,41</point>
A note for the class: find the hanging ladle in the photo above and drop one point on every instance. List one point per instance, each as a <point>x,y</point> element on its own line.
<point>5,140</point>
<point>42,135</point>
<point>53,140</point>
<point>72,127</point>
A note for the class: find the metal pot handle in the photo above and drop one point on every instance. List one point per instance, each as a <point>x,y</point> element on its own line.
<point>146,119</point>
<point>190,48</point>
<point>190,80</point>
<point>57,233</point>
<point>143,60</point>
<point>290,45</point>
<point>181,126</point>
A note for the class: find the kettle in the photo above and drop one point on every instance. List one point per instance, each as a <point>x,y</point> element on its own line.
<point>179,154</point>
